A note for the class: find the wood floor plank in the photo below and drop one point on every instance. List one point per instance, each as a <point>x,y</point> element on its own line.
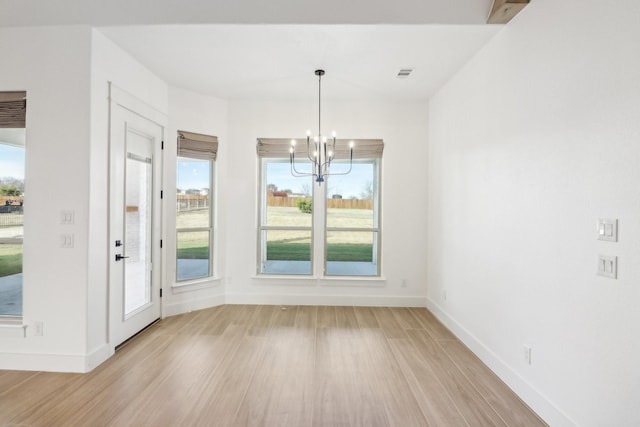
<point>405,317</point>
<point>345,394</point>
<point>283,316</point>
<point>510,408</point>
<point>346,317</point>
<point>281,389</point>
<point>220,401</point>
<point>388,323</point>
<point>241,365</point>
<point>471,404</point>
<point>365,317</point>
<point>327,317</point>
<point>83,390</point>
<point>261,319</point>
<point>433,325</point>
<point>437,406</point>
<point>399,402</point>
<point>179,390</point>
<point>306,317</point>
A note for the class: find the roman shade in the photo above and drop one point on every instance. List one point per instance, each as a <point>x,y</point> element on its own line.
<point>197,145</point>
<point>13,109</point>
<point>279,148</point>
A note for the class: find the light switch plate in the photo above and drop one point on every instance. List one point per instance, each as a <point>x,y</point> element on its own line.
<point>608,266</point>
<point>66,241</point>
<point>608,229</point>
<point>67,217</point>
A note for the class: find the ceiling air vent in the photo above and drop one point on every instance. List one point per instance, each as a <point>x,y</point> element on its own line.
<point>404,73</point>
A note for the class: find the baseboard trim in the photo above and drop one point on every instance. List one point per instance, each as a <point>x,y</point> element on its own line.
<point>98,356</point>
<point>43,362</point>
<point>194,304</point>
<point>336,300</point>
<point>532,397</point>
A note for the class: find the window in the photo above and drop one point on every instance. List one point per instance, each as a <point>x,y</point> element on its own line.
<point>348,242</point>
<point>352,232</point>
<point>286,220</point>
<point>194,207</point>
<point>12,160</point>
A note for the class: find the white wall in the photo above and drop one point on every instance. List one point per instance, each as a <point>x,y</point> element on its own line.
<point>109,63</point>
<point>529,144</point>
<point>52,65</point>
<point>404,131</point>
<point>193,112</point>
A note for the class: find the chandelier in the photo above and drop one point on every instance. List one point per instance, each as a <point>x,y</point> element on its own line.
<point>321,152</point>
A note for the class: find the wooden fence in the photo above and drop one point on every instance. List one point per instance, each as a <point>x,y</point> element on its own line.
<point>331,203</point>
<point>190,202</point>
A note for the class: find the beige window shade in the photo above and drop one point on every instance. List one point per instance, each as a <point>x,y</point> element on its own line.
<point>197,145</point>
<point>279,148</point>
<point>13,109</point>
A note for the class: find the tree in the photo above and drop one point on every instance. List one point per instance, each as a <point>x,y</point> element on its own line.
<point>271,188</point>
<point>305,189</point>
<point>10,186</point>
<point>367,190</point>
<point>288,191</point>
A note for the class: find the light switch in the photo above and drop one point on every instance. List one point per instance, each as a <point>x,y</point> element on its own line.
<point>66,241</point>
<point>67,217</point>
<point>608,229</point>
<point>608,266</point>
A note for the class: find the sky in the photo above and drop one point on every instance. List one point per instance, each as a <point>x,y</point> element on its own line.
<point>194,174</point>
<point>349,186</point>
<point>11,161</point>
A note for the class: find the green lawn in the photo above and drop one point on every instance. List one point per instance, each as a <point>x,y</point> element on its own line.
<point>286,245</point>
<point>10,259</point>
<point>277,251</point>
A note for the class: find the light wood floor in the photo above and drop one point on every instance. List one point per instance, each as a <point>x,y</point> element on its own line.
<point>275,366</point>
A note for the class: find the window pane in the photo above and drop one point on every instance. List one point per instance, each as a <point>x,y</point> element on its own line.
<point>286,251</point>
<point>193,256</point>
<point>352,253</point>
<point>11,220</point>
<point>286,199</point>
<point>193,189</point>
<point>350,198</point>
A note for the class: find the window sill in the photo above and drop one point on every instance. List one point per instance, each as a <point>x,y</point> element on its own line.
<point>196,284</point>
<point>12,328</point>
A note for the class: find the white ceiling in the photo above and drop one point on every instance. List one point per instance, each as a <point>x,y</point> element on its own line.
<point>278,61</point>
<point>270,48</point>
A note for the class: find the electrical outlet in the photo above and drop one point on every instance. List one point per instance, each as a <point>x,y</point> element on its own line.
<point>38,328</point>
<point>526,353</point>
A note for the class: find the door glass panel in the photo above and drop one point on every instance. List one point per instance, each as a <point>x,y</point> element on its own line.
<point>12,150</point>
<point>138,223</point>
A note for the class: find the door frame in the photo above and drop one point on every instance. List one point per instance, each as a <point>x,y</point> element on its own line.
<point>118,97</point>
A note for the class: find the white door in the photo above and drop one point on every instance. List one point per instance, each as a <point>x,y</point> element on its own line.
<point>134,227</point>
